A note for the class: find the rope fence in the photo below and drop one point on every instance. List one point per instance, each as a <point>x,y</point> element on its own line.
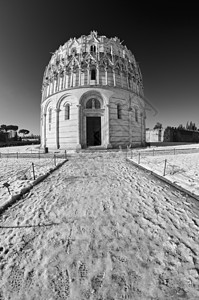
<point>164,164</point>
<point>160,152</point>
<point>32,155</point>
<point>26,169</point>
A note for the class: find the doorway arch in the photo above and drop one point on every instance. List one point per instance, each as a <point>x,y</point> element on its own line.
<point>92,119</point>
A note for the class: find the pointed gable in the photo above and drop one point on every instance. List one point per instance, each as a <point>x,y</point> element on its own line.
<point>92,38</point>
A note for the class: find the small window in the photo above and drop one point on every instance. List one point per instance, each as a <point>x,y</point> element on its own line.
<point>119,111</point>
<point>92,48</point>
<point>67,112</point>
<point>136,114</point>
<point>93,74</point>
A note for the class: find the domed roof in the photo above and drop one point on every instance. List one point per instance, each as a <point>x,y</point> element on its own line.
<point>90,52</point>
<point>100,44</point>
<point>93,44</point>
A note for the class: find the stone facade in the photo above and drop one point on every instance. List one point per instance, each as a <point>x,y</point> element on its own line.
<point>173,134</point>
<point>92,95</point>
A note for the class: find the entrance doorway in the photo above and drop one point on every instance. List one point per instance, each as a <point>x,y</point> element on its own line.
<point>93,131</point>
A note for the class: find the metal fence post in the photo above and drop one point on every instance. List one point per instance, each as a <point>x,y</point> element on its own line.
<point>33,170</point>
<point>139,158</point>
<point>165,164</point>
<point>55,159</point>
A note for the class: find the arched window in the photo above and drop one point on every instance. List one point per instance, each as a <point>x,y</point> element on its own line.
<point>93,48</point>
<point>67,112</point>
<point>93,74</point>
<point>89,103</point>
<point>119,111</point>
<point>97,104</point>
<point>93,104</point>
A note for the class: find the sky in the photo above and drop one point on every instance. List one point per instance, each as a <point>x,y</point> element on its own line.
<point>163,36</point>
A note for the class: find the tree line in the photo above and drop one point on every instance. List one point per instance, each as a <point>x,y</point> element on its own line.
<point>6,128</point>
<point>189,126</point>
<point>10,136</point>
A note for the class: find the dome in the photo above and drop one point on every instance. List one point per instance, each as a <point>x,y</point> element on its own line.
<point>92,60</point>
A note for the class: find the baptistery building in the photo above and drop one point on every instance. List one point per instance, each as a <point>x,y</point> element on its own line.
<point>92,96</point>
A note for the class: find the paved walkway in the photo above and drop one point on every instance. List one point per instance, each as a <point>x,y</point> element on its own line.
<point>99,228</point>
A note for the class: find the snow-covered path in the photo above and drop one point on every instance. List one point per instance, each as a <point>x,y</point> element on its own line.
<point>99,228</point>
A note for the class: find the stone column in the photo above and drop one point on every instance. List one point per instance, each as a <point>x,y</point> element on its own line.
<point>97,69</point>
<point>80,77</point>
<point>143,134</point>
<point>41,126</point>
<point>79,128</point>
<point>44,130</point>
<point>57,128</point>
<point>127,80</point>
<point>107,125</point>
<point>141,128</point>
<point>88,76</point>
<point>130,125</point>
<point>66,80</point>
<point>44,93</point>
<point>51,88</point>
<point>106,77</point>
<point>71,78</point>
<point>58,83</point>
<point>54,85</point>
<point>47,90</point>
<point>61,82</point>
<point>121,76</point>
<point>114,82</point>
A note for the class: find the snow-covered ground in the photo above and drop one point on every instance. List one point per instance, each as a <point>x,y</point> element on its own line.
<point>18,173</point>
<point>23,149</point>
<point>99,228</point>
<point>182,169</point>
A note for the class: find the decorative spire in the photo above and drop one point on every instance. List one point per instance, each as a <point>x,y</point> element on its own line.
<point>93,33</point>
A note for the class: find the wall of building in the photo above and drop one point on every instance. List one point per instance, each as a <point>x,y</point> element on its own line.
<point>154,135</point>
<point>129,129</point>
<point>179,135</point>
<point>65,134</point>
